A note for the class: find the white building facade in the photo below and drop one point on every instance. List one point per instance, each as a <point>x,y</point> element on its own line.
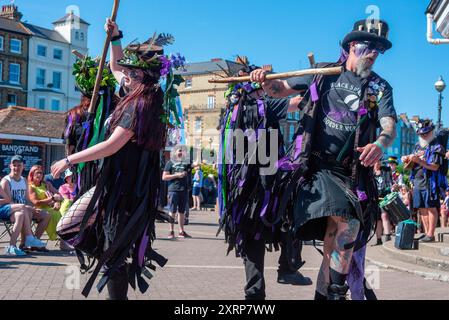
<point>51,85</point>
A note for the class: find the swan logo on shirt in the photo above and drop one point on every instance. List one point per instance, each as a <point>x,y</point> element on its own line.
<point>340,105</point>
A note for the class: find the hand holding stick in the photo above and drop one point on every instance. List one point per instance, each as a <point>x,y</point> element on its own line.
<point>286,75</point>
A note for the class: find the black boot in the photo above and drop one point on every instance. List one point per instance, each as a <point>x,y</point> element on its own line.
<point>336,292</point>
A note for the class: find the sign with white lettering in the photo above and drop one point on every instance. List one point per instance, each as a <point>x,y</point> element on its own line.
<point>31,152</point>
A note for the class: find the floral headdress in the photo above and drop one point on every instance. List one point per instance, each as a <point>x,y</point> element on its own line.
<point>149,57</point>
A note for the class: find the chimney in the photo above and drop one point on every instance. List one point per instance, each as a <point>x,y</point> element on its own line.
<point>11,12</point>
<point>242,60</point>
<point>216,60</point>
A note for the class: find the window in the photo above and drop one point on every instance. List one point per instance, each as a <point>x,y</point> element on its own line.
<point>198,124</point>
<point>41,103</point>
<point>55,105</point>
<point>57,80</point>
<point>188,83</point>
<point>210,102</point>
<point>12,100</point>
<point>16,46</point>
<point>82,36</point>
<point>14,73</point>
<point>1,70</point>
<point>40,77</point>
<point>41,50</point>
<point>77,35</point>
<point>57,54</point>
<point>2,40</point>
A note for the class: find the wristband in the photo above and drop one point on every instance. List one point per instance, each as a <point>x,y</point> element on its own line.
<point>116,43</point>
<point>67,162</point>
<point>118,37</point>
<point>377,143</point>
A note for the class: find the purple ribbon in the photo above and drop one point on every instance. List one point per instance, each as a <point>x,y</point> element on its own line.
<point>143,247</point>
<point>298,147</point>
<point>261,108</point>
<point>362,111</point>
<point>69,126</point>
<point>235,113</point>
<point>314,92</point>
<point>362,195</point>
<point>265,204</point>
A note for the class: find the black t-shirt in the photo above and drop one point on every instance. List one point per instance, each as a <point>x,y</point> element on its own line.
<point>177,185</point>
<point>340,101</point>
<point>421,181</point>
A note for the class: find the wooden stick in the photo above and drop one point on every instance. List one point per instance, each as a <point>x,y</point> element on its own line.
<point>301,73</point>
<point>78,54</point>
<point>93,102</point>
<point>311,57</point>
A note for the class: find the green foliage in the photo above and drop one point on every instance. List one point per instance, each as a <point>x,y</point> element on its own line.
<point>85,72</point>
<point>207,170</point>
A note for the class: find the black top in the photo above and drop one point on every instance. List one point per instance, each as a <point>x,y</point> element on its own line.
<point>178,185</point>
<point>340,101</point>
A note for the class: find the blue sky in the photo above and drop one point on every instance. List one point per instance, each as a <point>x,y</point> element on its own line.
<point>279,32</point>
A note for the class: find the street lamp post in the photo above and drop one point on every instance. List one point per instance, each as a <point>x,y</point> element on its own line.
<point>440,85</point>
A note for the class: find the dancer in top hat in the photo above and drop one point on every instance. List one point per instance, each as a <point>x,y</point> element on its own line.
<point>331,192</point>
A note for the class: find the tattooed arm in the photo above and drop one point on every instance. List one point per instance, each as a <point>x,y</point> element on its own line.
<point>389,132</point>
<point>372,153</point>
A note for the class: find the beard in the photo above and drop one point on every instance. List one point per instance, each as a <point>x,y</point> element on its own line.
<point>424,143</point>
<point>364,68</point>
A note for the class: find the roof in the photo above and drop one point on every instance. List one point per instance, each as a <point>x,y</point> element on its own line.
<point>32,122</point>
<point>211,66</point>
<point>71,15</point>
<point>45,33</point>
<point>13,26</point>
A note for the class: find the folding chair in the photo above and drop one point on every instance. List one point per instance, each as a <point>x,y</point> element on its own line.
<point>8,226</point>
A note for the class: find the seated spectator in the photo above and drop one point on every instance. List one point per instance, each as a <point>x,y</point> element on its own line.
<point>45,197</point>
<point>20,217</point>
<point>16,188</point>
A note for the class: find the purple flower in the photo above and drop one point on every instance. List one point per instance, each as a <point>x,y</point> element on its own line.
<point>166,65</point>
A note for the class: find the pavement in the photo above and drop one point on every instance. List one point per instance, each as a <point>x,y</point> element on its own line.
<point>198,269</point>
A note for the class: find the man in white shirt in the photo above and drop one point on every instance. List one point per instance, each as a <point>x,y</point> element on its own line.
<point>16,188</point>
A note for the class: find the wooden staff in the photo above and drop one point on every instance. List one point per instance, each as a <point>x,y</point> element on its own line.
<point>311,57</point>
<point>301,73</point>
<point>93,102</point>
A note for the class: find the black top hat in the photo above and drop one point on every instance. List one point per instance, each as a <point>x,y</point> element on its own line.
<point>425,126</point>
<point>368,30</point>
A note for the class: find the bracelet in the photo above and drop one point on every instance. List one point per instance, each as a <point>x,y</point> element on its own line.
<point>118,37</point>
<point>377,143</point>
<point>67,162</point>
<point>116,43</point>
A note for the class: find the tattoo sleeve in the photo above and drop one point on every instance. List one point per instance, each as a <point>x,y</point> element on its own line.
<point>275,88</point>
<point>388,134</point>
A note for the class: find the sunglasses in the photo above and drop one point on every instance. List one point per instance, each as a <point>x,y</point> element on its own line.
<point>372,46</point>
